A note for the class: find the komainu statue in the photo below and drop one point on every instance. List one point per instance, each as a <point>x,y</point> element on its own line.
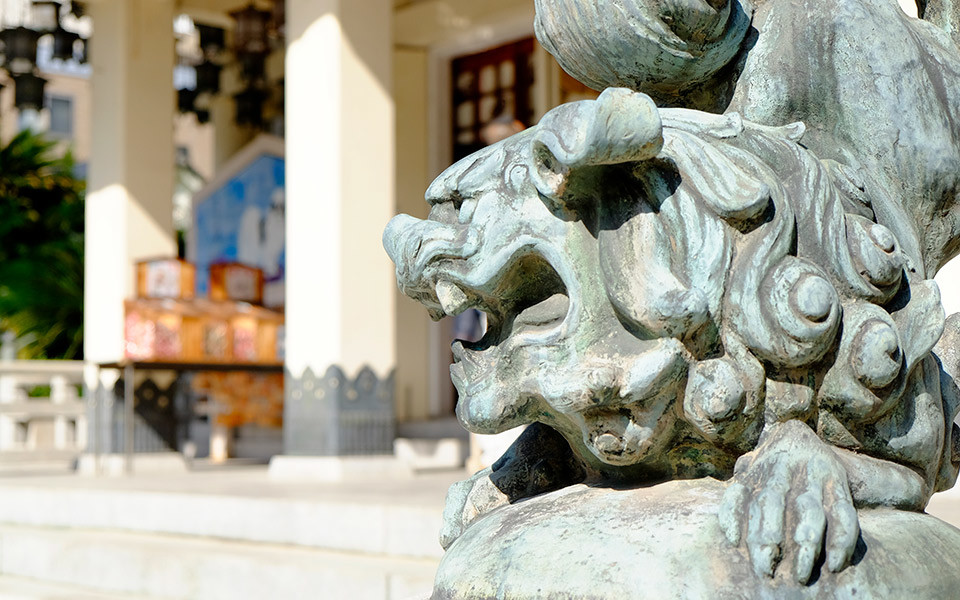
<point>710,298</point>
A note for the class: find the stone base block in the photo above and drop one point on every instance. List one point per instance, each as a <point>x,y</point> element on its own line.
<point>114,465</point>
<point>664,543</point>
<point>338,468</point>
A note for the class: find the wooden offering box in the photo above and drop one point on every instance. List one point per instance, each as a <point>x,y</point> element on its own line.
<point>166,278</point>
<point>254,331</point>
<point>153,330</point>
<point>201,331</point>
<point>236,281</point>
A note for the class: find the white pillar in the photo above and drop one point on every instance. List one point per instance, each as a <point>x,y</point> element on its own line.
<point>340,307</point>
<point>130,186</point>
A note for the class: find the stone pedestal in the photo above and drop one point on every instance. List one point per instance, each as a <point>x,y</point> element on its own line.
<point>663,542</point>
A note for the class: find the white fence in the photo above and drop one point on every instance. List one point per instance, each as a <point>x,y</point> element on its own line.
<point>34,420</point>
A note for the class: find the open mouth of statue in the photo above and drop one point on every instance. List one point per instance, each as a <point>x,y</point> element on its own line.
<point>528,305</point>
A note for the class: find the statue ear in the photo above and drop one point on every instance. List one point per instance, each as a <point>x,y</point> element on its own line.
<point>618,127</point>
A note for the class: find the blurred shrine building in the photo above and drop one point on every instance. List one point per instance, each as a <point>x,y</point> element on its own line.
<point>242,160</point>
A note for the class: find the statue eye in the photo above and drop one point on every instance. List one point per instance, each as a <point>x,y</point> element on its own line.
<point>444,212</point>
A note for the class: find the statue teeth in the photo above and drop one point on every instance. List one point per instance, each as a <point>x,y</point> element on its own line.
<point>453,299</point>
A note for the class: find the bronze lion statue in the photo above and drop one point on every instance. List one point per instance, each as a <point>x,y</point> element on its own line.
<point>738,289</point>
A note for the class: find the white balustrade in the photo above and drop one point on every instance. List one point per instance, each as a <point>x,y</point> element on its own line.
<point>30,423</point>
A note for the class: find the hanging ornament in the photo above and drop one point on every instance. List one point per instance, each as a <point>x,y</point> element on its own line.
<point>212,40</point>
<point>278,19</point>
<point>63,43</point>
<point>208,77</point>
<point>28,91</point>
<point>253,66</point>
<point>250,33</point>
<point>83,51</point>
<point>21,49</point>
<point>250,107</point>
<point>186,100</point>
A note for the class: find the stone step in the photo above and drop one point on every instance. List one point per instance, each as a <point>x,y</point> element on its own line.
<point>373,523</point>
<point>19,588</point>
<point>165,567</point>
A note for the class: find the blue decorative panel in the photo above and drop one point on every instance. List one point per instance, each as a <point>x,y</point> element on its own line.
<point>243,221</point>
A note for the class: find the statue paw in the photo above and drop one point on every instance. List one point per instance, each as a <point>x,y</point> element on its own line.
<point>795,480</point>
<point>467,500</point>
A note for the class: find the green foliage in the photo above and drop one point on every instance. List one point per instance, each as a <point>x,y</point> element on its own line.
<point>41,247</point>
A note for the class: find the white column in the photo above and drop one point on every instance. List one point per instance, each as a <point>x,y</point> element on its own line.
<point>340,307</point>
<point>130,186</point>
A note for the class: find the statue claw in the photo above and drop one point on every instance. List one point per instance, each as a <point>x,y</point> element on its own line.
<point>793,471</point>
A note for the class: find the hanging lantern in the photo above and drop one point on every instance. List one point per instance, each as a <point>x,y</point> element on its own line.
<point>185,100</point>
<point>45,15</point>
<point>253,66</point>
<point>28,91</point>
<point>21,49</point>
<point>83,55</point>
<point>278,18</point>
<point>208,77</point>
<point>250,34</point>
<point>212,39</point>
<point>63,43</point>
<point>250,107</point>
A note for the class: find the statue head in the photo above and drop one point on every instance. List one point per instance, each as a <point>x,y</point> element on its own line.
<point>659,284</point>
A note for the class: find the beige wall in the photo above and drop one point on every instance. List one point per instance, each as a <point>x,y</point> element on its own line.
<point>78,90</point>
<point>200,141</point>
<point>413,177</point>
<point>433,22</point>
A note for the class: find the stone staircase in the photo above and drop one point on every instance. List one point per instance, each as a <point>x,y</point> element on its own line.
<point>215,536</point>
